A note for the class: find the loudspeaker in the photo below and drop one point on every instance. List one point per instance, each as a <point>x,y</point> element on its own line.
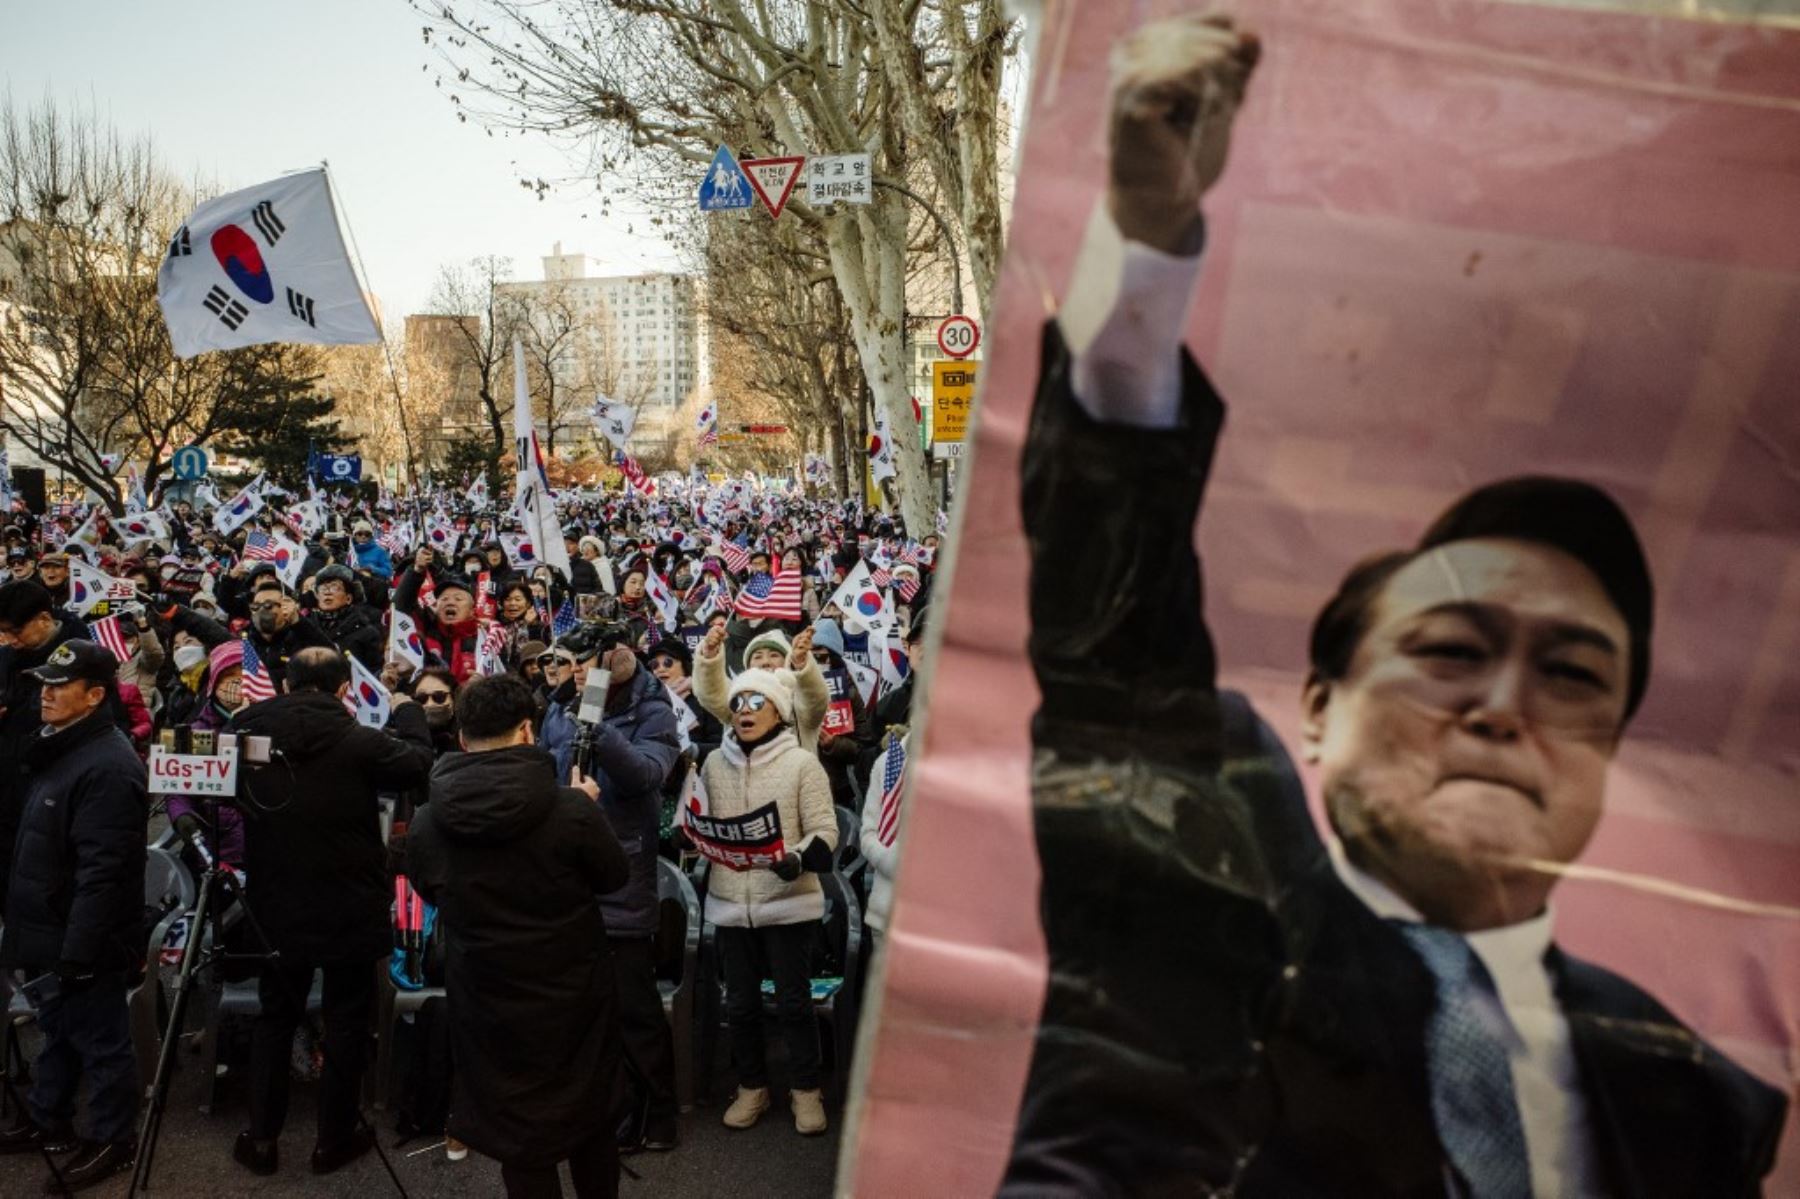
<point>28,484</point>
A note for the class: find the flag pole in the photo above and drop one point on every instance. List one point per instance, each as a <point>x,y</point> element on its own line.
<point>387,351</point>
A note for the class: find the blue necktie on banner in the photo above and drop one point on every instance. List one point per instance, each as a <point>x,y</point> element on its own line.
<point>1472,1097</point>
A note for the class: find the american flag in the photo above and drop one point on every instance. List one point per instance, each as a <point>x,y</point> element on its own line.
<point>259,547</point>
<point>735,557</point>
<point>565,618</point>
<point>108,633</point>
<point>709,436</point>
<point>893,782</point>
<point>777,597</point>
<point>907,586</point>
<point>880,577</point>
<point>258,686</point>
<point>910,553</point>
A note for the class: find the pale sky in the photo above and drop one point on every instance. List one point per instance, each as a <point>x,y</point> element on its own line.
<point>242,92</point>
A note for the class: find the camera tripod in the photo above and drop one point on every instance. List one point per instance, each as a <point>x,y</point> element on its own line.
<point>216,885</point>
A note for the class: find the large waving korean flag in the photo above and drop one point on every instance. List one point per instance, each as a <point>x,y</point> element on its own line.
<point>264,264</point>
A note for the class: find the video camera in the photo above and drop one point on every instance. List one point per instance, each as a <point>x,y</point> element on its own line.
<point>593,641</point>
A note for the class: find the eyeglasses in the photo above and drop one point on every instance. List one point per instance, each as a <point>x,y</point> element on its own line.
<point>556,660</point>
<point>662,660</point>
<point>266,606</point>
<point>752,700</point>
<point>433,697</point>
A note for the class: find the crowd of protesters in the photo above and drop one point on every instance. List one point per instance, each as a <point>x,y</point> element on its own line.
<point>466,732</point>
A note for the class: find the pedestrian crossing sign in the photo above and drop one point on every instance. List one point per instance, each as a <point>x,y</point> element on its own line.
<point>725,186</point>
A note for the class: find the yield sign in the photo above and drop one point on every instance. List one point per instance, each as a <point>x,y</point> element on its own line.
<point>773,179</point>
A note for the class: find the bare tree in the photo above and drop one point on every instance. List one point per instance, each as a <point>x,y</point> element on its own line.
<point>86,367</point>
<point>653,86</point>
<point>484,342</point>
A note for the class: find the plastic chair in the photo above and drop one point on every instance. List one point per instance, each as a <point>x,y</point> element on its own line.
<point>849,860</point>
<point>167,881</point>
<point>678,969</point>
<point>239,1000</point>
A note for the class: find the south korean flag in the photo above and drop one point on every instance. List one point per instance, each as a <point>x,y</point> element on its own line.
<point>614,421</point>
<point>266,264</point>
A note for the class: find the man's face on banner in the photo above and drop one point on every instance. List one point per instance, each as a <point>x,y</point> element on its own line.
<point>1474,728</point>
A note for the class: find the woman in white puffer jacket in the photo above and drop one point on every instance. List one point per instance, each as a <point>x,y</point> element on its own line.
<point>770,915</point>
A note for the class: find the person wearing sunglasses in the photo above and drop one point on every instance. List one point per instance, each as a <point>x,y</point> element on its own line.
<point>435,693</point>
<point>672,662</point>
<point>770,914</point>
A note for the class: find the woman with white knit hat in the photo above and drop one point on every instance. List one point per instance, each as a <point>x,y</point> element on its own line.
<point>770,915</point>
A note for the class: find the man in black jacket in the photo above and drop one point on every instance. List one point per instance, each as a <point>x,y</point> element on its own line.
<point>1236,1004</point>
<point>31,628</point>
<point>353,627</point>
<point>319,889</point>
<point>76,913</point>
<point>505,845</point>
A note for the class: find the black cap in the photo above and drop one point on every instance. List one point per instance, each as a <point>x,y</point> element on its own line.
<point>77,659</point>
<point>1580,520</point>
<point>446,581</point>
<point>676,648</point>
<point>17,553</point>
<point>337,572</point>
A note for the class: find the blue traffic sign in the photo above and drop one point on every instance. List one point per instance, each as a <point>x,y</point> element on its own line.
<point>189,462</point>
<point>725,186</point>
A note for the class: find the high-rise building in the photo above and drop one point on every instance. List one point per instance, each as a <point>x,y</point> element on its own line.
<point>638,335</point>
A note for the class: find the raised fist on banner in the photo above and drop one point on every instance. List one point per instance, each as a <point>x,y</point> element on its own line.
<point>1177,86</point>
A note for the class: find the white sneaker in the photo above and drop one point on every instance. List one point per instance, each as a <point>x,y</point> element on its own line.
<point>747,1108</point>
<point>454,1149</point>
<point>809,1112</point>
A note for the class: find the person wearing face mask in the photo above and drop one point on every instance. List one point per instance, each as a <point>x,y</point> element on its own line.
<point>450,629</point>
<point>185,690</point>
<point>223,698</point>
<point>435,693</point>
<point>351,626</point>
<point>671,662</point>
<point>770,915</point>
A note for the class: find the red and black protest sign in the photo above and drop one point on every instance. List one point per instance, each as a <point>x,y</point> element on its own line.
<point>738,842</point>
<point>840,714</point>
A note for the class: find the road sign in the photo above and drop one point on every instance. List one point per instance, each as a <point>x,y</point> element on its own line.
<point>957,336</point>
<point>725,186</point>
<point>189,462</point>
<point>952,395</point>
<point>774,179</point>
<point>944,450</point>
<point>834,177</point>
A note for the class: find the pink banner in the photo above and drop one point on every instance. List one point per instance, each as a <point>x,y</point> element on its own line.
<point>1455,241</point>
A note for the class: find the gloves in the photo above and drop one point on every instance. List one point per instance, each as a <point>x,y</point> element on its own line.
<point>788,869</point>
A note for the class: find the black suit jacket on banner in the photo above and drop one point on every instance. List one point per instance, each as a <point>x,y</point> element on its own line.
<point>1222,1013</point>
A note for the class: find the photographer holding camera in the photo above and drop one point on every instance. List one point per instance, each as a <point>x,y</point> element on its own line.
<point>319,889</point>
<point>629,751</point>
<point>75,915</point>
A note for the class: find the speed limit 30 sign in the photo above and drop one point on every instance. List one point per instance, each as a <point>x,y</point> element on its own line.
<point>958,336</point>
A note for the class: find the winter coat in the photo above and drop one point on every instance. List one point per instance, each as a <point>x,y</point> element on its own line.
<point>318,877</point>
<point>356,630</point>
<point>77,878</point>
<point>583,578</point>
<point>145,663</point>
<point>882,859</point>
<point>635,748</point>
<point>19,724</point>
<point>781,772</point>
<point>514,860</point>
<point>449,646</point>
<point>811,697</point>
<point>373,557</point>
<point>224,823</point>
